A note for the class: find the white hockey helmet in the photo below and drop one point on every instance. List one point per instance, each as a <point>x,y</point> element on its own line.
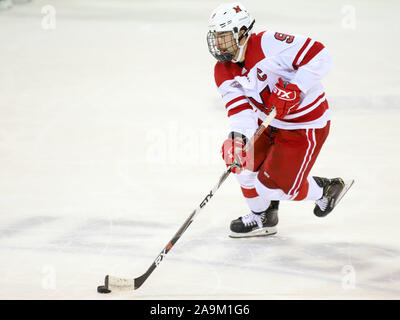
<point>228,18</point>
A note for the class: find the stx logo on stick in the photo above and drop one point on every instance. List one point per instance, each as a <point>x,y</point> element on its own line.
<point>162,254</point>
<point>204,202</point>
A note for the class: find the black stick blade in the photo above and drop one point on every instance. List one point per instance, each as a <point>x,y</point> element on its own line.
<point>140,280</point>
<point>104,289</point>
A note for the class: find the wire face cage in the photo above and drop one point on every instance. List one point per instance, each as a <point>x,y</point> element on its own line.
<point>222,45</point>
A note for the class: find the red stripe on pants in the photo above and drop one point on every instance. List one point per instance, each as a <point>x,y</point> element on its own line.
<point>284,158</point>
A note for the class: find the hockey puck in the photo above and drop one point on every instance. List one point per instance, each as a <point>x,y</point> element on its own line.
<point>103,289</point>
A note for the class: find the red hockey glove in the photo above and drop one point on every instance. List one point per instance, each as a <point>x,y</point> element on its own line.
<point>232,149</point>
<point>284,97</point>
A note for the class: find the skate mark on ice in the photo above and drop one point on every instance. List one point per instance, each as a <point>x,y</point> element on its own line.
<point>24,225</point>
<point>322,261</point>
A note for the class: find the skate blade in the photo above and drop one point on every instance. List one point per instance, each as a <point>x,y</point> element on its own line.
<point>262,232</point>
<point>347,185</point>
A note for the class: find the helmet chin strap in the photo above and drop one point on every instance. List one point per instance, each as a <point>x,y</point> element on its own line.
<point>241,48</point>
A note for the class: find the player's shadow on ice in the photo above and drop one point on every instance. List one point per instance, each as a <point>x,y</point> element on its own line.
<point>377,265</point>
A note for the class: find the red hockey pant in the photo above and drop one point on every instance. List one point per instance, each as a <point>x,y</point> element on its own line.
<point>284,158</point>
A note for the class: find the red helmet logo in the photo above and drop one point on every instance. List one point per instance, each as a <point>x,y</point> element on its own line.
<point>237,9</point>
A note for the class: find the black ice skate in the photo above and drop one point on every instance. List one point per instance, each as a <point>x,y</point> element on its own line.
<point>333,192</point>
<point>256,224</point>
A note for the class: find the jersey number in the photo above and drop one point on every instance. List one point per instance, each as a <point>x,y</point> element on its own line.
<point>283,37</point>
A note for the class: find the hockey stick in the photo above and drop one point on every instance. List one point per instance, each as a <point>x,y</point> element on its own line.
<point>116,283</point>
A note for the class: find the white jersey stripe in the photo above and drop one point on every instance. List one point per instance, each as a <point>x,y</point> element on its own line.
<point>313,124</point>
<point>302,165</point>
<point>237,103</point>
<point>299,114</point>
<point>296,191</point>
<point>305,52</point>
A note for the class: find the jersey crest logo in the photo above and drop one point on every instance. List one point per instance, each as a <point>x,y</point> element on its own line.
<point>264,96</point>
<point>237,9</point>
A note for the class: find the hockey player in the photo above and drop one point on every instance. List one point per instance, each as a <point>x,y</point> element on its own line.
<point>254,73</point>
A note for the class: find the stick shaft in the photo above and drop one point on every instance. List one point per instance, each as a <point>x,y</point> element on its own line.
<point>140,280</point>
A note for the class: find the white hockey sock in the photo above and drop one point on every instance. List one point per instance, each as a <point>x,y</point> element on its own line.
<point>246,180</point>
<point>314,190</point>
<point>257,204</point>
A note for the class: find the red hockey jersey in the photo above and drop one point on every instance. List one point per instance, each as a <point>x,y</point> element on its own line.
<point>269,56</point>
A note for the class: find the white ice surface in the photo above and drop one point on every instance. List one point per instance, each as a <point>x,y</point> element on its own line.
<point>110,129</point>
